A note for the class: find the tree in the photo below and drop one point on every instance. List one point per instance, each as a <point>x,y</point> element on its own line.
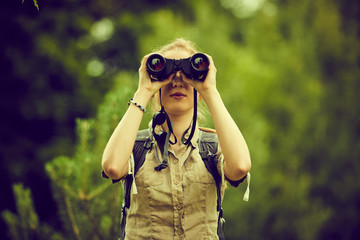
<point>287,70</point>
<point>35,4</point>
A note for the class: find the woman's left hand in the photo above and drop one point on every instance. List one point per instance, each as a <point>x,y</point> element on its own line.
<point>206,87</point>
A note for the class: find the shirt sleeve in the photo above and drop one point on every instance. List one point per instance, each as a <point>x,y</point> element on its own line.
<point>232,183</point>
<point>221,170</point>
<point>103,174</point>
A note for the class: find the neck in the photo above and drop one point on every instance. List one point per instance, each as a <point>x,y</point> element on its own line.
<point>180,124</point>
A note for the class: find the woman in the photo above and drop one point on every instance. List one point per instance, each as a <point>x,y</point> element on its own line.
<point>178,202</point>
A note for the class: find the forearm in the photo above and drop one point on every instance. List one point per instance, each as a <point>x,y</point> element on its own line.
<point>119,147</point>
<point>236,153</point>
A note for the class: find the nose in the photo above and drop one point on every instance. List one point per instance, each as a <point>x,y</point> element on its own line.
<point>177,80</point>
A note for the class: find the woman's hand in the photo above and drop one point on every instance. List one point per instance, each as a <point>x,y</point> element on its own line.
<point>148,88</point>
<point>207,87</point>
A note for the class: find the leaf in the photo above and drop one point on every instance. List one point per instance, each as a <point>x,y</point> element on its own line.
<point>36,4</point>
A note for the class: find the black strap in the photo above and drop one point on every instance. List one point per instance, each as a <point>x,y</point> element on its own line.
<point>142,145</point>
<point>221,226</point>
<point>162,165</point>
<point>208,145</point>
<point>187,141</point>
<point>162,139</point>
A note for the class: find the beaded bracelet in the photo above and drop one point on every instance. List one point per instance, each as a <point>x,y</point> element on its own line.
<point>136,104</point>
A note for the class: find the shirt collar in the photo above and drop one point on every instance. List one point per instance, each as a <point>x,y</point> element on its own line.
<point>194,140</point>
<point>195,137</point>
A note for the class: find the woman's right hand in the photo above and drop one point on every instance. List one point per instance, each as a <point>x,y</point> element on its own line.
<point>148,88</point>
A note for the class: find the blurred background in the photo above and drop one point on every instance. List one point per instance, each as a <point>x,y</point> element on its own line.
<point>288,71</point>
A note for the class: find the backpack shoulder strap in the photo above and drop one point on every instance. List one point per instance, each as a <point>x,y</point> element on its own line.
<point>208,146</point>
<point>142,145</point>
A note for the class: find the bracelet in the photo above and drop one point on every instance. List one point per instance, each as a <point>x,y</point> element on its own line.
<point>136,104</point>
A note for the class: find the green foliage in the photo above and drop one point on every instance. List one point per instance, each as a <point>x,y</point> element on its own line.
<point>35,4</point>
<point>81,193</point>
<point>90,205</point>
<point>26,224</point>
<point>27,221</point>
<point>288,71</point>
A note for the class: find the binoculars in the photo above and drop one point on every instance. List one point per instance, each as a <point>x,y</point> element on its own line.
<point>194,67</point>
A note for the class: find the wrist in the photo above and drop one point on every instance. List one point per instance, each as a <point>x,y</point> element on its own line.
<point>142,108</point>
<point>210,94</point>
<point>142,97</point>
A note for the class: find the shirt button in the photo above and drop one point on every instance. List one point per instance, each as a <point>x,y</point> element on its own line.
<point>179,232</point>
<point>176,161</point>
<point>178,207</point>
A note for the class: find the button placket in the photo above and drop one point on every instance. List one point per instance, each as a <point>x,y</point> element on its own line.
<point>177,187</point>
<point>177,195</point>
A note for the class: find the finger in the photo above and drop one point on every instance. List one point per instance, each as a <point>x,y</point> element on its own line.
<point>186,79</point>
<point>211,63</point>
<point>143,62</point>
<point>159,84</point>
<point>168,80</point>
<point>194,83</point>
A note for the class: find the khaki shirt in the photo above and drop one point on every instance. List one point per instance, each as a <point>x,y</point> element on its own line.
<point>178,202</point>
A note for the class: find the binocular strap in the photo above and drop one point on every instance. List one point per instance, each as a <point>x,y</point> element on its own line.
<point>187,141</point>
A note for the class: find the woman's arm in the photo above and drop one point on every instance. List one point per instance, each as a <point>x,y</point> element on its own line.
<point>236,153</point>
<point>119,147</point>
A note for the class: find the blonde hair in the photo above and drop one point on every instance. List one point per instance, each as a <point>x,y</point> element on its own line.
<point>190,47</point>
<point>179,43</point>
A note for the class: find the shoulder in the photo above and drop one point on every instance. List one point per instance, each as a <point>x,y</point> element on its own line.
<point>208,130</point>
<point>207,135</point>
<point>207,142</point>
<point>143,142</point>
<point>144,135</point>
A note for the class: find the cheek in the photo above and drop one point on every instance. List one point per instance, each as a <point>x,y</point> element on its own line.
<point>163,95</point>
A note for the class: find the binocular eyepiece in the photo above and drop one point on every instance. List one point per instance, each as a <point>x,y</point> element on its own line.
<point>194,67</point>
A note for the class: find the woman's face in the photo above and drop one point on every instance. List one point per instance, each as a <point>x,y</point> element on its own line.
<point>177,97</point>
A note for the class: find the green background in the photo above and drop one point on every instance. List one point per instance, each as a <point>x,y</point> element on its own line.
<point>288,71</point>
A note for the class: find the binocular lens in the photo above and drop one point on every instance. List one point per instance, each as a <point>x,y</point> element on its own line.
<point>156,63</point>
<point>200,62</point>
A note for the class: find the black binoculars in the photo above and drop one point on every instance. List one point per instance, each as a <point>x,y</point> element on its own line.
<point>194,67</point>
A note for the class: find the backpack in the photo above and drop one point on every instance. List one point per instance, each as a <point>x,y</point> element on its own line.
<point>208,145</point>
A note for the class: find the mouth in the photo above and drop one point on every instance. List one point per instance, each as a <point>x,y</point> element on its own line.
<point>177,95</point>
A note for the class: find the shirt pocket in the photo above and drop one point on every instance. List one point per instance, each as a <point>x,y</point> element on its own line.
<point>148,179</point>
<point>147,176</point>
<point>196,172</point>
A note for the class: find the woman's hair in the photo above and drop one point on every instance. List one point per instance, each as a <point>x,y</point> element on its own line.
<point>180,43</point>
